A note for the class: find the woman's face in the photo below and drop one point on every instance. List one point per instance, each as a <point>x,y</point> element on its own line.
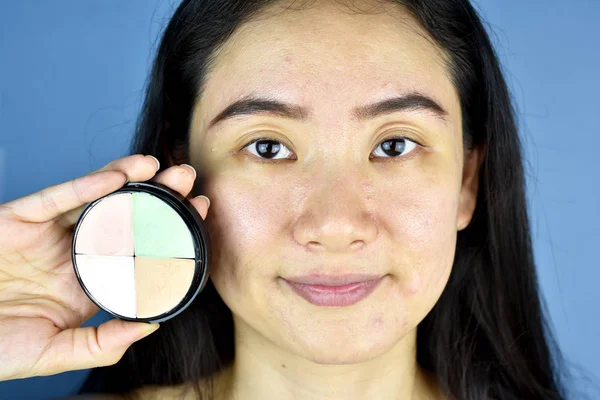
<point>329,196</point>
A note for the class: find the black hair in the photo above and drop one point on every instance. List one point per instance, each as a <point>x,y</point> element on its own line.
<point>487,337</point>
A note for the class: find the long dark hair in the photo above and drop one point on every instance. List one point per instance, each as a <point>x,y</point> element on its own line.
<point>487,337</point>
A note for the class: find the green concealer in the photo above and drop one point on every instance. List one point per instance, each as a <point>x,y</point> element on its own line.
<point>158,231</point>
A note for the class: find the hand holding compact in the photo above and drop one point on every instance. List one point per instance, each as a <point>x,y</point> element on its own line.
<point>42,304</point>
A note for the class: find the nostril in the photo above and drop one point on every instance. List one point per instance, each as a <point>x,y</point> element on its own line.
<point>357,244</point>
<point>314,245</point>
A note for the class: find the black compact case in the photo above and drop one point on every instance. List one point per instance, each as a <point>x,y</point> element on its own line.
<point>194,223</point>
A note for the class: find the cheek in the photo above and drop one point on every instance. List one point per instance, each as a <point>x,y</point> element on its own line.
<point>245,226</point>
<point>425,220</point>
<point>423,230</point>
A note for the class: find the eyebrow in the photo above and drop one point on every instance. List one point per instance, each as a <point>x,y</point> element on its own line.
<point>251,105</point>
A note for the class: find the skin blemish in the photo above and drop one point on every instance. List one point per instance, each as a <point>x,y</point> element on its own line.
<point>377,322</point>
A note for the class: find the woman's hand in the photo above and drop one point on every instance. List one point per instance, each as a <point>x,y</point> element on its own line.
<point>42,305</point>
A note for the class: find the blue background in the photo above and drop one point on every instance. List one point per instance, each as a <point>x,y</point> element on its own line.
<point>72,75</point>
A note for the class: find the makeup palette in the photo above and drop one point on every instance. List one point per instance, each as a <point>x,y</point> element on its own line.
<point>141,253</point>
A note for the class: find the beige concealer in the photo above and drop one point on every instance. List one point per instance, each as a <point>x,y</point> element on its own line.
<point>161,283</point>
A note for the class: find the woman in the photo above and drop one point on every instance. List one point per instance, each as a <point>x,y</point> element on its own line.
<point>332,138</point>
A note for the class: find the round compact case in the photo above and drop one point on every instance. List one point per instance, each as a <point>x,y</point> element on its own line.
<point>141,253</point>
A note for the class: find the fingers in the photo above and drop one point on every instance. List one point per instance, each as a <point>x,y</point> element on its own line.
<point>57,200</point>
<point>90,347</point>
<point>201,203</point>
<point>138,168</point>
<point>67,200</point>
<point>179,178</point>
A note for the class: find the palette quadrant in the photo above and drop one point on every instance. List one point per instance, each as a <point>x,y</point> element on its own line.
<point>161,283</point>
<point>107,228</point>
<point>110,281</point>
<point>158,230</point>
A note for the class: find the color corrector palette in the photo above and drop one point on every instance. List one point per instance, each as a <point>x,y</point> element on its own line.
<point>135,254</point>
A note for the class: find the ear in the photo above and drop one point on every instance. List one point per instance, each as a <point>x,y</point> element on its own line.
<point>470,186</point>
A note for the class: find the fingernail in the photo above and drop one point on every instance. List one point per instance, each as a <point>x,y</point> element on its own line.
<point>157,162</point>
<point>207,199</point>
<point>150,328</point>
<point>193,169</point>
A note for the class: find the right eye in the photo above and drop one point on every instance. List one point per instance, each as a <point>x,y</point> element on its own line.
<point>267,149</point>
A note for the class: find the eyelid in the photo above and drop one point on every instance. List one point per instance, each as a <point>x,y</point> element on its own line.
<point>403,136</point>
<point>264,135</point>
<point>263,138</point>
<point>402,132</point>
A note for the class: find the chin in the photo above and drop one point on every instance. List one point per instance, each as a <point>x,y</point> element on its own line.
<point>335,352</point>
<point>342,358</point>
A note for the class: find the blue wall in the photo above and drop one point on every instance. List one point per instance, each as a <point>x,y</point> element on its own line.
<point>71,81</point>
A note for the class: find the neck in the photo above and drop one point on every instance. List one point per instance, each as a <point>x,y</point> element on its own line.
<point>262,370</point>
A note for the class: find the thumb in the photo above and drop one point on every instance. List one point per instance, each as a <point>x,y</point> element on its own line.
<point>90,347</point>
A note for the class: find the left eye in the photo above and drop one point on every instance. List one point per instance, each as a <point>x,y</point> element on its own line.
<point>395,146</point>
<point>267,149</point>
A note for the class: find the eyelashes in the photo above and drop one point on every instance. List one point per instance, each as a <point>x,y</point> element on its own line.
<point>268,149</point>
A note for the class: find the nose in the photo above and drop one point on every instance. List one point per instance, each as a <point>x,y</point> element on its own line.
<point>336,218</point>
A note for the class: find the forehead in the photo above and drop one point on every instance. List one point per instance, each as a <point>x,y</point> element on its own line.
<point>327,56</point>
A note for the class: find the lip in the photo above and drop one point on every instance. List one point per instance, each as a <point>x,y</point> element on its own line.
<point>332,280</point>
<point>334,291</point>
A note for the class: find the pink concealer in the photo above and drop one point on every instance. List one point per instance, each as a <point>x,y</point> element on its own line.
<point>108,229</point>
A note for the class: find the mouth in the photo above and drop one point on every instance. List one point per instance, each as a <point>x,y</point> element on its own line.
<point>334,291</point>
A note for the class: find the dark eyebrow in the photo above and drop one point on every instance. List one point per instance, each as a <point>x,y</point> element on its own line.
<point>259,105</point>
<point>411,101</point>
